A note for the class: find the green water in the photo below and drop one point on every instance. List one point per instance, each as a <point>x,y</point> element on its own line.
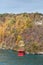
<point>9,57</point>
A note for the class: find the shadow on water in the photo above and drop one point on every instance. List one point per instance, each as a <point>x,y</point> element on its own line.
<point>9,57</point>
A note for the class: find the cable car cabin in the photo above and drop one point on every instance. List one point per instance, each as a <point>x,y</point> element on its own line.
<point>21,53</point>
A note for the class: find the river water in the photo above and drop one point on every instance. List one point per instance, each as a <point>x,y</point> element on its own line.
<point>9,57</point>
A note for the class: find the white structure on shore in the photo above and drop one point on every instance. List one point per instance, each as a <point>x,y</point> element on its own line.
<point>40,53</point>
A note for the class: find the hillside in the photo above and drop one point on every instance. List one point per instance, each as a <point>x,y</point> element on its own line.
<point>27,27</point>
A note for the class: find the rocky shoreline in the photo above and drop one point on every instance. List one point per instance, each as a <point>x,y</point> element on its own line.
<point>38,53</point>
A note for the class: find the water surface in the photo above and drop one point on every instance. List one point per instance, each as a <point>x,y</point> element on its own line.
<point>9,57</point>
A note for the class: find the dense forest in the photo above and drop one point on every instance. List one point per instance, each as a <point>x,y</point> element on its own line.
<point>26,27</point>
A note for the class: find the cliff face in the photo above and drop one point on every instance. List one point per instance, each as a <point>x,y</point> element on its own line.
<point>27,27</point>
